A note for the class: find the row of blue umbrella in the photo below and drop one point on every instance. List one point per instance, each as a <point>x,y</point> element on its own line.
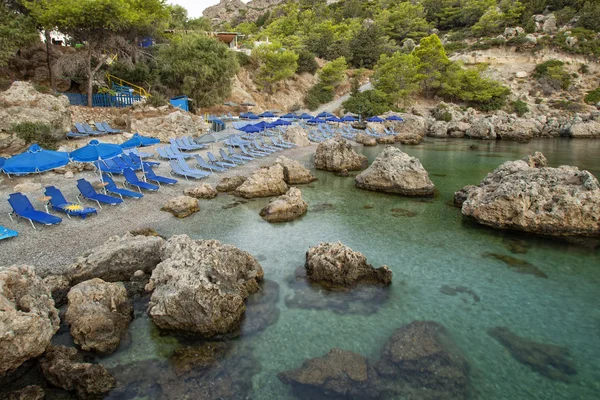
<point>320,118</point>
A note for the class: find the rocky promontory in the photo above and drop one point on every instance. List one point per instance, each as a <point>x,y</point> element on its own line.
<point>287,207</point>
<point>337,155</point>
<point>265,182</point>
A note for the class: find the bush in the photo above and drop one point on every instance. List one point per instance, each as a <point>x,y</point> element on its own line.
<point>306,62</point>
<point>317,95</point>
<point>551,74</point>
<point>36,132</point>
<point>368,103</point>
<point>42,88</point>
<point>593,97</point>
<point>453,47</point>
<point>446,116</point>
<point>157,100</point>
<point>519,107</point>
<point>242,58</point>
<point>584,69</point>
<point>567,105</point>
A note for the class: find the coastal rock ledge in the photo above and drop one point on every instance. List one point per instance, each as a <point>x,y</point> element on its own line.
<point>287,207</point>
<point>336,266</point>
<point>527,195</point>
<point>337,155</point>
<point>394,171</point>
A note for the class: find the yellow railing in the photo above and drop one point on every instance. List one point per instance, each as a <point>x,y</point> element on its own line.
<point>118,81</point>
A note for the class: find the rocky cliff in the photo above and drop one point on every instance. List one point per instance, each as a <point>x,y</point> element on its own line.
<point>237,11</point>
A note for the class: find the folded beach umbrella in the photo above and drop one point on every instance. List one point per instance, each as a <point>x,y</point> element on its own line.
<point>349,118</point>
<point>35,160</point>
<point>325,115</point>
<point>394,118</point>
<point>375,119</point>
<point>267,114</point>
<point>230,104</point>
<point>305,116</point>
<point>261,124</point>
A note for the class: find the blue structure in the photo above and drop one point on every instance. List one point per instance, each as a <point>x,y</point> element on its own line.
<point>119,100</point>
<point>375,119</point>
<point>35,160</point>
<point>181,102</point>
<point>95,151</point>
<point>395,118</point>
<point>138,140</point>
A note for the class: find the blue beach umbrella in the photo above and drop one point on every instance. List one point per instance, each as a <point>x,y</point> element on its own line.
<point>267,114</point>
<point>394,118</point>
<point>138,140</point>
<point>325,115</point>
<point>305,116</point>
<point>35,160</point>
<point>375,119</point>
<point>281,122</point>
<point>315,121</point>
<point>251,116</point>
<point>96,151</point>
<point>349,118</point>
<point>250,129</point>
<point>289,116</point>
<point>2,161</point>
<point>333,119</point>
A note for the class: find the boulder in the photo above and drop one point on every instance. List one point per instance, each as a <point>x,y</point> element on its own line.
<point>294,173</point>
<point>200,286</point>
<point>98,315</point>
<point>11,144</point>
<point>336,266</point>
<point>408,138</point>
<point>528,196</point>
<point>31,392</point>
<point>376,127</point>
<point>337,154</point>
<point>413,124</point>
<point>164,124</point>
<point>438,129</point>
<point>520,129</point>
<point>365,140</point>
<point>117,259</point>
<point>230,184</point>
<point>297,135</point>
<point>521,74</point>
<point>64,367</point>
<point>550,26</point>
<point>584,129</point>
<point>181,206</point>
<point>457,129</point>
<point>265,182</point>
<point>481,128</point>
<point>389,139</point>
<point>394,171</point>
<point>202,191</point>
<point>531,39</point>
<point>59,286</point>
<point>287,207</point>
<point>28,317</point>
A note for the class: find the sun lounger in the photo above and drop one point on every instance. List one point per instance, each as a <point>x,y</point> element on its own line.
<point>215,161</point>
<point>22,208</point>
<point>82,130</point>
<point>132,179</point>
<point>174,151</point>
<point>59,203</point>
<point>109,129</point>
<point>91,130</point>
<point>188,141</point>
<point>249,152</point>
<point>230,151</point>
<point>280,144</point>
<point>175,144</point>
<point>120,162</point>
<point>136,159</point>
<point>162,153</point>
<point>6,233</point>
<point>178,170</point>
<point>111,187</point>
<point>76,135</point>
<point>230,159</point>
<point>152,177</point>
<point>203,164</point>
<point>268,146</point>
<point>87,191</point>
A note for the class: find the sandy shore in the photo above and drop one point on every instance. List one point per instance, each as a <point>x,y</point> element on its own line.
<point>50,248</point>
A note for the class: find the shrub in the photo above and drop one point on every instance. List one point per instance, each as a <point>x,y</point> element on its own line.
<point>157,100</point>
<point>446,116</point>
<point>584,69</point>
<point>306,62</point>
<point>454,47</point>
<point>42,88</point>
<point>593,96</point>
<point>553,75</point>
<point>242,58</point>
<point>317,95</point>
<point>36,132</point>
<point>368,103</point>
<point>567,105</point>
<point>519,107</point>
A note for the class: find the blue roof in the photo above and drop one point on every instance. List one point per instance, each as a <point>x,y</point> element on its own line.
<point>35,159</point>
<point>138,140</point>
<point>281,122</point>
<point>95,151</point>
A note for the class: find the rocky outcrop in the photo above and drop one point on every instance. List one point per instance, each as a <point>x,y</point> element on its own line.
<point>527,195</point>
<point>584,129</point>
<point>164,122</point>
<point>294,173</point>
<point>412,124</point>
<point>265,182</point>
<point>28,318</point>
<point>117,259</point>
<point>481,129</point>
<point>337,155</point>
<point>297,135</point>
<point>389,139</point>
<point>230,184</point>
<point>64,367</point>
<point>200,286</point>
<point>287,207</point>
<point>31,392</point>
<point>336,266</point>
<point>408,138</point>
<point>439,129</point>
<point>236,10</point>
<point>202,191</point>
<point>98,315</point>
<point>394,171</point>
<point>181,206</point>
<point>365,140</point>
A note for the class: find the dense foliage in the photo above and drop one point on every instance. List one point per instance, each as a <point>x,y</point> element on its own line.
<point>330,77</point>
<point>552,76</point>
<point>368,103</point>
<point>274,64</point>
<point>36,132</point>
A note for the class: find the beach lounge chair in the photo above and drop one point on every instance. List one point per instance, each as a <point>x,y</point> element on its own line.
<point>282,140</point>
<point>280,144</point>
<point>59,203</point>
<point>215,161</point>
<point>178,170</point>
<point>137,160</point>
<point>22,208</point>
<point>87,191</point>
<point>267,146</point>
<point>6,233</point>
<point>100,127</point>
<point>109,129</point>
<point>152,177</point>
<point>76,135</point>
<point>111,187</point>
<point>227,158</point>
<point>82,130</point>
<point>162,153</point>
<point>121,163</point>
<point>175,144</point>
<point>132,179</point>
<point>190,142</point>
<point>203,164</point>
<point>109,166</point>
<point>174,151</point>
<point>249,152</point>
<point>91,130</point>
<point>230,151</point>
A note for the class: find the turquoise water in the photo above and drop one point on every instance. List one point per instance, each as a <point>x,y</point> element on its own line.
<point>432,248</point>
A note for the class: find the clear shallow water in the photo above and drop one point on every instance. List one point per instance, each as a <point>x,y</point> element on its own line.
<point>433,248</point>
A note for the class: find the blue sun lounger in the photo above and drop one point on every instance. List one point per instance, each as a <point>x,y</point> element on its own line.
<point>177,169</point>
<point>109,129</point>
<point>6,233</point>
<point>59,203</point>
<point>111,187</point>
<point>22,208</point>
<point>87,191</point>
<point>152,177</point>
<point>76,135</point>
<point>230,151</point>
<point>227,158</point>
<point>203,164</point>
<point>132,179</point>
<point>213,160</point>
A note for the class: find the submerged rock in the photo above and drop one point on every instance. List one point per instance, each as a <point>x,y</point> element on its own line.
<point>230,184</point>
<point>200,286</point>
<point>394,171</point>
<point>337,154</point>
<point>550,360</point>
<point>294,173</point>
<point>287,207</point>
<point>454,290</point>
<point>198,357</point>
<point>64,367</point>
<point>181,206</point>
<point>32,392</point>
<point>202,191</point>
<point>265,182</point>
<point>520,266</point>
<point>335,266</point>
<point>98,315</point>
<point>261,308</point>
<point>28,318</point>
<point>527,195</point>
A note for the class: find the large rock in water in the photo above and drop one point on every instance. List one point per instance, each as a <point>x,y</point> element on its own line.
<point>64,367</point>
<point>297,135</point>
<point>294,173</point>
<point>412,124</point>
<point>200,286</point>
<point>335,266</point>
<point>28,318</point>
<point>231,183</point>
<point>98,315</point>
<point>264,182</point>
<point>394,171</point>
<point>338,155</point>
<point>285,208</point>
<point>181,206</point>
<point>117,259</point>
<point>528,196</point>
<point>202,191</point>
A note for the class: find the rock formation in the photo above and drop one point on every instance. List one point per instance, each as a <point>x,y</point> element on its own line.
<point>394,171</point>
<point>294,173</point>
<point>181,206</point>
<point>408,138</point>
<point>287,207</point>
<point>28,318</point>
<point>335,266</point>
<point>264,182</point>
<point>527,195</point>
<point>202,191</point>
<point>230,184</point>
<point>365,140</point>
<point>337,154</point>
<point>412,124</point>
<point>164,122</point>
<point>98,315</point>
<point>200,286</point>
<point>117,259</point>
<point>297,135</point>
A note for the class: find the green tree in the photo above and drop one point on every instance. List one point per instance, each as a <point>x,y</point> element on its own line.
<point>432,62</point>
<point>16,30</point>
<point>590,16</point>
<point>333,73</point>
<point>398,77</point>
<point>406,20</point>
<point>368,103</point>
<point>306,62</point>
<point>473,10</point>
<point>444,14</point>
<point>367,46</point>
<point>275,64</point>
<point>200,66</point>
<point>178,16</point>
